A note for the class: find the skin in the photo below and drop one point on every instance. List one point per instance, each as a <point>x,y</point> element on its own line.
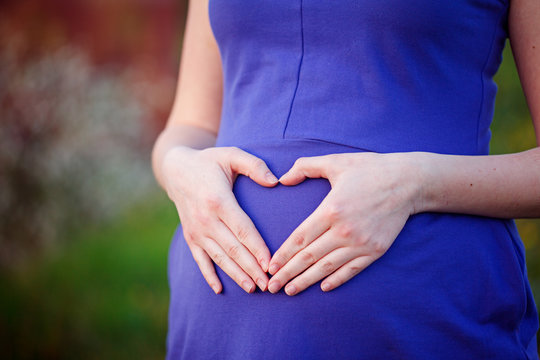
<point>198,177</point>
<point>362,215</point>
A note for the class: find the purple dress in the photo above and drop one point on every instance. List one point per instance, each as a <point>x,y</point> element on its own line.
<point>314,77</point>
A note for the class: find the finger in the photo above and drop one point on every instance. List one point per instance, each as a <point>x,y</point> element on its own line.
<point>236,251</point>
<point>207,268</point>
<point>346,272</point>
<point>220,258</point>
<point>242,227</point>
<point>309,230</point>
<point>306,167</point>
<point>255,168</point>
<point>321,269</point>
<point>322,246</point>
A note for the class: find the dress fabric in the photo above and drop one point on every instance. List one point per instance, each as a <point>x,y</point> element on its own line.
<point>315,77</point>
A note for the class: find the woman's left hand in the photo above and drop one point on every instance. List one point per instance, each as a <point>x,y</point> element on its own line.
<point>371,198</point>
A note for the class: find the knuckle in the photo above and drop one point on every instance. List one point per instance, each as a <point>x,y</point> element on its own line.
<point>354,270</point>
<point>299,240</point>
<point>240,279</point>
<point>189,236</point>
<point>259,254</point>
<point>307,257</point>
<point>328,266</point>
<point>214,202</point>
<point>285,275</point>
<point>378,248</point>
<point>345,230</point>
<point>334,211</point>
<point>219,259</point>
<point>286,255</point>
<point>202,218</point>
<point>234,251</point>
<point>243,234</point>
<point>360,241</point>
<point>193,237</point>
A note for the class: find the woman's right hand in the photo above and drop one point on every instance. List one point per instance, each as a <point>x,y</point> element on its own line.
<point>200,182</point>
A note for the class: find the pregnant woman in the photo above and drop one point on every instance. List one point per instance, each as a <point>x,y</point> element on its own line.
<point>329,164</point>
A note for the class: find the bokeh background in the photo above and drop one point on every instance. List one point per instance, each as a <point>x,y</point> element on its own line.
<point>85,87</point>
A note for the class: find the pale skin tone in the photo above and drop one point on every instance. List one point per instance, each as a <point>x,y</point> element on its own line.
<point>362,215</point>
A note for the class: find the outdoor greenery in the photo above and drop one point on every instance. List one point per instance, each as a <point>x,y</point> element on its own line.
<point>102,296</point>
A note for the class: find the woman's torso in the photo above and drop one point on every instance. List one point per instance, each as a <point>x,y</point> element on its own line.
<point>307,78</point>
<point>381,76</point>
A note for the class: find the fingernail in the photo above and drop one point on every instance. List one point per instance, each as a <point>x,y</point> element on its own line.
<point>247,286</point>
<point>273,287</point>
<point>215,288</point>
<point>264,265</point>
<point>325,286</point>
<point>290,289</point>
<point>262,284</point>
<point>274,268</point>
<point>270,177</point>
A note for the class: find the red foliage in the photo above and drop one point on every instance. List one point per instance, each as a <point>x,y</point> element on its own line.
<point>144,35</point>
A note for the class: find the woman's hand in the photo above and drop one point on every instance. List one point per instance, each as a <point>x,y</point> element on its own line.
<point>200,183</point>
<point>372,197</point>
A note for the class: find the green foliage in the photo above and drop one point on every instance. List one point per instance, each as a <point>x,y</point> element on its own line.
<point>512,129</point>
<point>102,296</point>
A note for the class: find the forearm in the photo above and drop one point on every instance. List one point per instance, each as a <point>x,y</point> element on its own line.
<point>178,135</point>
<point>504,186</point>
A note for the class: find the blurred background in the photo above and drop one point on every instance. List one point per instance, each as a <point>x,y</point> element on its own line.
<point>85,87</point>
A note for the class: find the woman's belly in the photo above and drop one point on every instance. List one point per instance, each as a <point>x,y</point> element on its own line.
<point>448,280</point>
<point>277,211</point>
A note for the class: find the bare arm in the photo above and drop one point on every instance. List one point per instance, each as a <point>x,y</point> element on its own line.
<point>505,186</point>
<point>194,119</point>
<point>199,177</point>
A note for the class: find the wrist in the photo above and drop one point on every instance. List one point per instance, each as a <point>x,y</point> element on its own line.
<point>175,137</point>
<point>421,175</point>
<point>172,161</point>
<point>175,156</point>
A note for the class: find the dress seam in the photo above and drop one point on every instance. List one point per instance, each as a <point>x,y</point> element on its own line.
<point>294,140</point>
<point>482,80</point>
<point>299,69</point>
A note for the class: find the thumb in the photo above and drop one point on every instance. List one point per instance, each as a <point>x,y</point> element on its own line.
<point>255,168</point>
<point>306,167</point>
